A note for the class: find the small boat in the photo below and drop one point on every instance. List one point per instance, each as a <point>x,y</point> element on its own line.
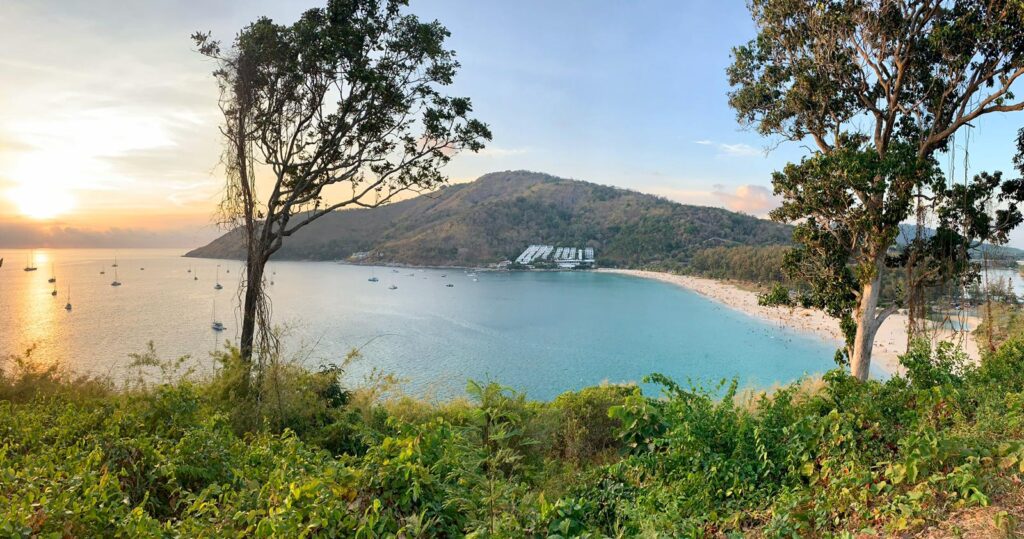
<point>217,286</point>
<point>53,277</point>
<point>443,275</point>
<point>142,269</point>
<point>115,281</point>
<point>475,279</point>
<point>450,285</point>
<point>30,266</point>
<point>54,293</point>
<point>216,325</point>
<point>393,287</point>
<point>189,269</point>
<point>115,261</point>
<point>1,261</point>
<point>373,279</point>
<point>67,306</point>
<point>103,270</point>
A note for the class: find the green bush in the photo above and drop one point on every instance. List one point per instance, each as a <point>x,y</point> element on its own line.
<point>180,459</point>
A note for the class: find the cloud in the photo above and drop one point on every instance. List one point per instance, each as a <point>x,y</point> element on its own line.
<point>740,150</point>
<point>732,150</point>
<point>752,199</point>
<point>501,152</point>
<point>24,235</point>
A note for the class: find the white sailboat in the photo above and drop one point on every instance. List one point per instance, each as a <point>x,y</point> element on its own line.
<point>67,306</point>
<point>53,275</point>
<point>217,286</point>
<point>115,282</point>
<point>215,324</point>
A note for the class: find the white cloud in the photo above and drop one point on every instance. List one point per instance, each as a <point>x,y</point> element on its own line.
<point>740,150</point>
<point>501,152</point>
<point>732,150</point>
<point>753,199</point>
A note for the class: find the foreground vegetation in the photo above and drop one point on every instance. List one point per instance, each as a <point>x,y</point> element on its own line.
<point>818,458</point>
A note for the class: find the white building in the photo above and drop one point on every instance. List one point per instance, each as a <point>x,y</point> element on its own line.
<point>561,257</point>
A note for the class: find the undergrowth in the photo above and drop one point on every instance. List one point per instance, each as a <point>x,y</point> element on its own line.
<point>183,456</point>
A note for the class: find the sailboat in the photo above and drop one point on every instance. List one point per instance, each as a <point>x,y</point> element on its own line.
<point>116,282</point>
<point>217,280</point>
<point>373,276</point>
<point>53,276</point>
<point>393,287</point>
<point>67,306</point>
<point>54,293</point>
<point>189,269</point>
<point>103,270</point>
<point>215,324</point>
<point>30,266</point>
<point>115,261</point>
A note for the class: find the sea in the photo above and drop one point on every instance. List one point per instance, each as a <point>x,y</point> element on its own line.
<point>542,333</point>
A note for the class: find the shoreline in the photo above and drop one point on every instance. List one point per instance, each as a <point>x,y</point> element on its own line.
<point>890,342</point>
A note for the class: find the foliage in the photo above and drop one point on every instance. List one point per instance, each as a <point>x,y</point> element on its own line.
<point>833,458</point>
<point>351,95</point>
<point>751,263</point>
<point>879,88</point>
<point>778,295</point>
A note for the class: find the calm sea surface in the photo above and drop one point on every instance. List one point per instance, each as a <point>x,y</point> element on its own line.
<point>541,332</point>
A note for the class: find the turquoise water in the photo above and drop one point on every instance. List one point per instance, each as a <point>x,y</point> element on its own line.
<point>542,332</point>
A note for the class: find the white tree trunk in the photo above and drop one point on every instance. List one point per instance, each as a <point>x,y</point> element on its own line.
<point>868,322</point>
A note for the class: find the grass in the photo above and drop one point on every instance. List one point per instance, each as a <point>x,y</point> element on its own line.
<point>939,452</point>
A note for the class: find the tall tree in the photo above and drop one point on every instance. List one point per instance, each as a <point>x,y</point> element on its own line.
<point>877,87</point>
<point>343,108</point>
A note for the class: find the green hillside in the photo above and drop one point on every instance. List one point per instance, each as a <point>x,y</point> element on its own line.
<point>495,217</point>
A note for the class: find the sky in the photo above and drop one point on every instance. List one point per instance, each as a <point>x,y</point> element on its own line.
<point>109,121</point>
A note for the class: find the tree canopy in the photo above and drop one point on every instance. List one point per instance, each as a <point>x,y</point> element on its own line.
<point>876,87</point>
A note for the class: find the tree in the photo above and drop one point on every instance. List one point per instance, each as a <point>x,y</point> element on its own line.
<point>343,108</point>
<point>878,87</point>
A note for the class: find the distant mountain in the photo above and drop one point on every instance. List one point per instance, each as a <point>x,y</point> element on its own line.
<point>495,217</point>
<point>1004,253</point>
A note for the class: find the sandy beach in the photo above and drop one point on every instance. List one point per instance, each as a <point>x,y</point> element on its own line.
<point>889,343</point>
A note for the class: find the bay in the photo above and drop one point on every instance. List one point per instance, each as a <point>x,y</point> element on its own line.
<point>538,332</point>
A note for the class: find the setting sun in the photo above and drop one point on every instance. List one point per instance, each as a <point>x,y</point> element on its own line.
<point>38,202</point>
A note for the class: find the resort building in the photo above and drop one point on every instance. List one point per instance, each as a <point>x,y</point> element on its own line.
<point>560,257</point>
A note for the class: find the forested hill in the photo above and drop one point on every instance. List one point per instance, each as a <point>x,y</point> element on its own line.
<point>495,217</point>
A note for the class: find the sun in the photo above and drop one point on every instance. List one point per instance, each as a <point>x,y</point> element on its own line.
<point>40,203</point>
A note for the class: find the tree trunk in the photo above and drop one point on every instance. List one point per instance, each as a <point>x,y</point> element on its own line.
<point>867,325</point>
<point>253,291</point>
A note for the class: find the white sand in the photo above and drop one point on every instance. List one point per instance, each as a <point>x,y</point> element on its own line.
<point>890,341</point>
